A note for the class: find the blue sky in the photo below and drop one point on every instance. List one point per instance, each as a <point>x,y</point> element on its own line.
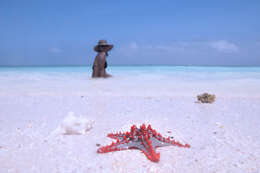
<point>172,32</point>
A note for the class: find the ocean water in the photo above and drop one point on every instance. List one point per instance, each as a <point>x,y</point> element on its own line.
<point>132,80</point>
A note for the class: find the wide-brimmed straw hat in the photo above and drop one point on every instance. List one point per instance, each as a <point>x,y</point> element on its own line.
<point>104,45</point>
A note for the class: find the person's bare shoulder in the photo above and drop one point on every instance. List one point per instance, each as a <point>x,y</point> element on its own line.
<point>102,54</point>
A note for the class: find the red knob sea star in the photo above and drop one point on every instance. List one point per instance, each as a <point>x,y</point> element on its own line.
<point>144,138</point>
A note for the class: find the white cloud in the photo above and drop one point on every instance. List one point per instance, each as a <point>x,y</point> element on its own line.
<point>182,47</point>
<point>55,50</point>
<point>224,46</point>
<point>133,45</point>
<point>173,47</point>
<point>165,47</point>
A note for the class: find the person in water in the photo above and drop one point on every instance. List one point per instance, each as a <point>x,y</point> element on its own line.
<point>100,63</point>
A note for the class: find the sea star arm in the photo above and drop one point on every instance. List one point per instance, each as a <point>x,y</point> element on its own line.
<point>144,138</point>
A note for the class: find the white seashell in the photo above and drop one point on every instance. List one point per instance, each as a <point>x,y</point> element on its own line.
<point>74,125</point>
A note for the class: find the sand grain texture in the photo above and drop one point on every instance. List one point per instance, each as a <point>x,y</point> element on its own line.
<point>224,136</point>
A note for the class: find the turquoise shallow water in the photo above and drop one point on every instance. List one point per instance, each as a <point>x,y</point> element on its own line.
<point>136,80</point>
<point>184,72</point>
<point>134,68</point>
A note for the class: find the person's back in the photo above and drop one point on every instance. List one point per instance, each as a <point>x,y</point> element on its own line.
<point>99,65</point>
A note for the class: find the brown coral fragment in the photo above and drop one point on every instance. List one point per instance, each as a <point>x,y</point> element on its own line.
<point>206,98</point>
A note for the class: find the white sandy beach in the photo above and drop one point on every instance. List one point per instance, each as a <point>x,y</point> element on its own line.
<point>224,136</point>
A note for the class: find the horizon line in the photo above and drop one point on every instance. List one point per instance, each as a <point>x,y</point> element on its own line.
<point>125,65</point>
